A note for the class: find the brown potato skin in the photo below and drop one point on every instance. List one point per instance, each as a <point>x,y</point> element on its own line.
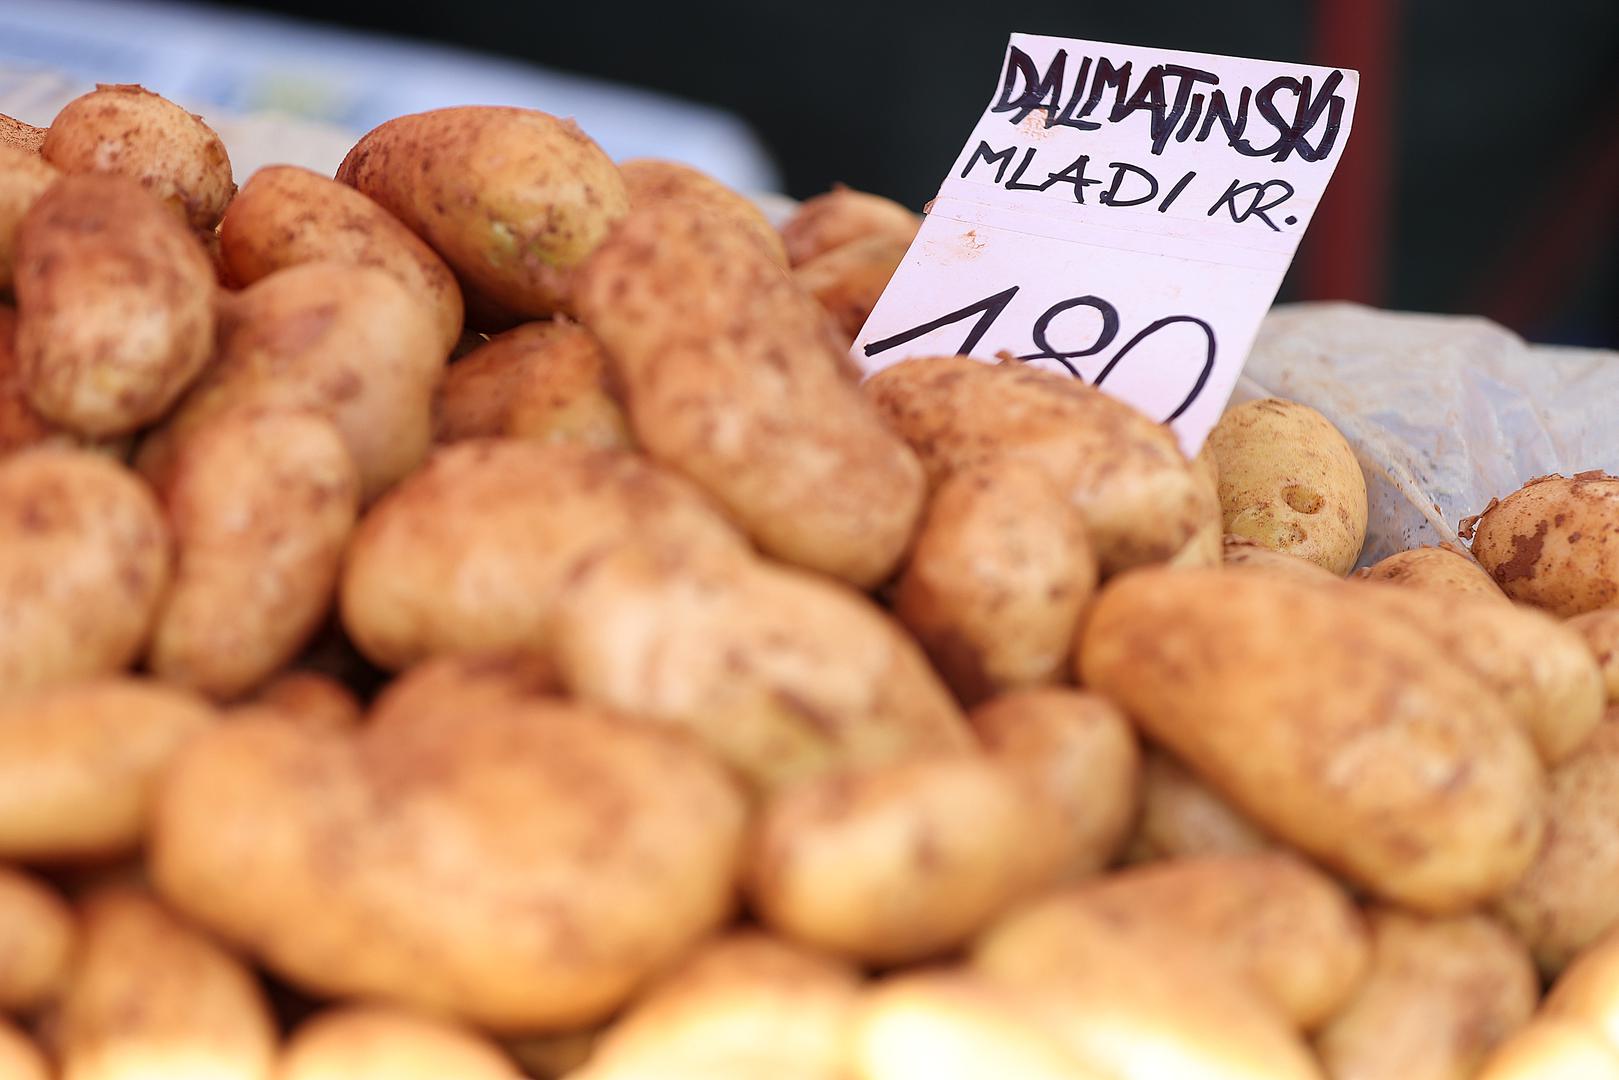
<point>1180,815</point>
<point>841,216</point>
<point>20,1058</point>
<point>151,994</point>
<point>20,423</point>
<point>1141,499</point>
<point>115,302</point>
<point>1287,698</point>
<point>129,131</point>
<point>650,180</point>
<point>729,376</point>
<point>1600,629</point>
<point>16,135</point>
<point>997,580</point>
<point>373,1042</point>
<point>285,216</point>
<point>1440,995</point>
<point>24,177</point>
<point>1080,752</point>
<point>90,529</point>
<point>469,553</point>
<point>545,381</point>
<point>1239,551</point>
<point>309,697</point>
<point>1552,1049</point>
<point>261,503</point>
<point>513,199</point>
<point>1554,543</point>
<point>1444,570</point>
<point>37,938</point>
<point>618,842</point>
<point>847,280</point>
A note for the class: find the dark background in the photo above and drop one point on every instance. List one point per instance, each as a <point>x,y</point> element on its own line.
<point>1482,175</point>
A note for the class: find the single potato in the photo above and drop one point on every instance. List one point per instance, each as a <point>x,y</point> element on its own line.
<point>371,1042</point>
<point>312,698</point>
<point>84,562</point>
<point>455,686</point>
<point>1180,815</point>
<point>1206,544</point>
<point>1289,480</point>
<point>1587,992</point>
<point>37,939</point>
<point>847,280</point>
<point>1344,732</point>
<point>1553,543</point>
<point>1444,570</point>
<point>1600,629</point>
<point>1241,551</point>
<point>24,177</point>
<point>841,216</point>
<point>21,426</point>
<point>16,135</point>
<point>1552,1049</point>
<point>20,1058</point>
<point>650,181</point>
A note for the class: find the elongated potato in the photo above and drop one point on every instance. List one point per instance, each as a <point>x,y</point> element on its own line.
<point>369,1042</point>
<point>1552,1049</point>
<point>1600,629</point>
<point>997,580</point>
<point>455,686</point>
<point>1080,752</point>
<point>513,199</point>
<point>469,553</point>
<point>1141,499</point>
<point>729,376</point>
<point>24,176</point>
<point>1344,732</point>
<point>151,997</point>
<point>1444,570</point>
<point>1180,815</point>
<point>544,381</point>
<point>286,216</point>
<point>20,1058</point>
<point>16,135</point>
<point>84,560</point>
<point>782,674</point>
<point>116,305</point>
<point>523,869</point>
<point>20,423</point>
<point>37,935</point>
<point>901,862</point>
<point>841,216</point>
<point>261,503</point>
<point>848,279</point>
<point>312,698</point>
<point>1440,996</point>
<point>649,181</point>
<point>130,131</point>
<point>348,342</point>
<point>1241,551</point>
<point>1553,543</point>
<point>1287,928</point>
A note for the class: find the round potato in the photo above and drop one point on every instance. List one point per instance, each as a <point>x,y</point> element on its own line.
<point>1553,543</point>
<point>20,423</point>
<point>1444,570</point>
<point>286,216</point>
<point>16,135</point>
<point>1552,1049</point>
<point>1289,480</point>
<point>24,177</point>
<point>1600,629</point>
<point>115,302</point>
<point>369,1042</point>
<point>84,561</point>
<point>455,686</point>
<point>617,844</point>
<point>841,216</point>
<point>1079,751</point>
<point>37,935</point>
<point>20,1058</point>
<point>312,698</point>
<point>544,381</point>
<point>1440,996</point>
<point>650,181</point>
<point>997,580</point>
<point>847,280</point>
<point>1181,816</point>
<point>513,199</point>
<point>261,503</point>
<point>1349,734</point>
<point>1241,551</point>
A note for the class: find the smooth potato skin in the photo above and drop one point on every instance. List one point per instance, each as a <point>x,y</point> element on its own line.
<point>1554,543</point>
<point>24,177</point>
<point>37,938</point>
<point>16,135</point>
<point>20,423</point>
<point>261,503</point>
<point>371,1042</point>
<point>454,686</point>
<point>1588,990</point>
<point>1289,698</point>
<point>842,216</point>
<point>311,698</point>
<point>1600,629</point>
<point>1443,570</point>
<point>20,1058</point>
<point>84,561</point>
<point>729,375</point>
<point>1289,480</point>
<point>513,199</point>
<point>650,180</point>
<point>116,305</point>
<point>1180,815</point>
<point>1552,1049</point>
<point>285,216</point>
<point>847,280</point>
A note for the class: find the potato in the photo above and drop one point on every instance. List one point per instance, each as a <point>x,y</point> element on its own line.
<point>369,1042</point>
<point>115,302</point>
<point>129,131</point>
<point>1444,570</point>
<point>151,997</point>
<point>1287,928</point>
<point>1205,547</point>
<point>729,376</point>
<point>522,869</point>
<point>348,342</point>
<point>997,580</point>
<point>1587,992</point>
<point>78,765</point>
<point>782,674</point>
<point>544,381</point>
<point>1289,480</point>
<point>650,181</point>
<point>1600,629</point>
<point>841,216</point>
<point>513,199</point>
<point>24,177</point>
<point>286,216</point>
<point>901,862</point>
<point>1181,816</point>
<point>1130,1004</point>
<point>37,935</point>
<point>452,687</point>
<point>1547,1049</point>
<point>1441,994</point>
<point>312,698</point>
<point>1240,551</point>
<point>20,424</point>
<point>847,280</point>
<point>1078,751</point>
<point>20,1059</point>
<point>1349,734</point>
<point>744,998</point>
<point>469,553</point>
<point>84,561</point>
<point>1553,543</point>
<point>1141,499</point>
<point>16,135</point>
<point>261,503</point>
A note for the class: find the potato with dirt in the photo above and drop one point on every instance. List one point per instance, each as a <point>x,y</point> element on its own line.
<point>1181,815</point>
<point>456,685</point>
<point>650,181</point>
<point>38,934</point>
<point>1443,570</point>
<point>24,177</point>
<point>21,426</point>
<point>373,1042</point>
<point>1553,543</point>
<point>1239,551</point>
<point>1600,629</point>
<point>843,216</point>
<point>848,279</point>
<point>16,135</point>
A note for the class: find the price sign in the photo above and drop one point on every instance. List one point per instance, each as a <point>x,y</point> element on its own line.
<point>1121,214</point>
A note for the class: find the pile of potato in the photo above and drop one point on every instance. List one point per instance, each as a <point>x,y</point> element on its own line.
<point>467,619</point>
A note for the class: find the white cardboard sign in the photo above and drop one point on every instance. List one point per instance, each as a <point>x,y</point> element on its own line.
<point>1124,214</point>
